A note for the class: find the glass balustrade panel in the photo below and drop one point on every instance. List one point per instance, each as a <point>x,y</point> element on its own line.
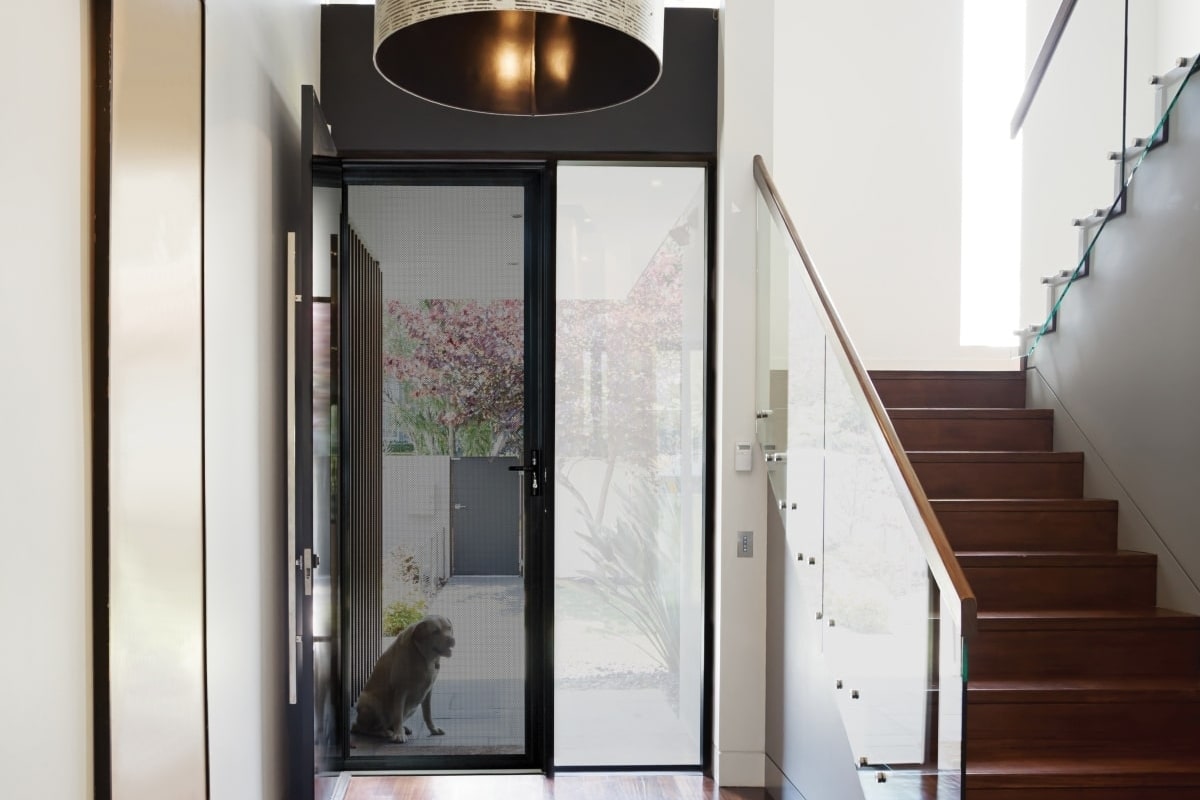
<point>805,479</point>
<point>949,687</point>
<point>772,372</point>
<point>876,586</point>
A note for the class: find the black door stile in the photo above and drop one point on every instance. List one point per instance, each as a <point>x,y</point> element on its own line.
<point>317,150</point>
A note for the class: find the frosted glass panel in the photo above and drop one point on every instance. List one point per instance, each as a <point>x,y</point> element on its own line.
<point>629,465</point>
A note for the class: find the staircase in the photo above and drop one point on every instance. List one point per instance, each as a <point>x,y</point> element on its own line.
<point>1079,686</point>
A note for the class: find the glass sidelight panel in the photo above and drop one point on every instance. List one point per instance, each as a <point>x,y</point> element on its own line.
<point>629,465</point>
<point>443,529</point>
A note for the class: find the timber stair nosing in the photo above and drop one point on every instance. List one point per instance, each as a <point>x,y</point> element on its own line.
<point>1082,772</point>
<point>1050,558</point>
<point>994,456</point>
<point>1107,691</point>
<point>1145,619</point>
<point>1004,505</point>
<point>946,375</point>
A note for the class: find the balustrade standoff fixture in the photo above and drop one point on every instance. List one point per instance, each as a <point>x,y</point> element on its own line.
<point>520,57</point>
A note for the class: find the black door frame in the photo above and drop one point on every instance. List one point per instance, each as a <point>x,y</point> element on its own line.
<point>538,172</point>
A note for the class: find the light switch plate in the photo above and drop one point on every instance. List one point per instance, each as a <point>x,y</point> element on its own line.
<point>743,455</point>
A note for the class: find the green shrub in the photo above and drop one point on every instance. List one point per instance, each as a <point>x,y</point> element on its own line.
<point>401,614</point>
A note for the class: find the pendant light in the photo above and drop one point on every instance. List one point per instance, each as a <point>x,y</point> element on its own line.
<point>520,57</point>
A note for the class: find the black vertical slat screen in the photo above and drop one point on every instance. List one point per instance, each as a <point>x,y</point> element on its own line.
<point>362,303</point>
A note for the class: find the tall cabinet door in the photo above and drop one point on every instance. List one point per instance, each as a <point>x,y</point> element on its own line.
<point>313,658</point>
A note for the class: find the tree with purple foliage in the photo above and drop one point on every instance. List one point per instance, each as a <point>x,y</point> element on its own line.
<point>461,366</point>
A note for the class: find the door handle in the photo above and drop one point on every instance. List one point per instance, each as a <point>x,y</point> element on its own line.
<point>535,462</point>
<point>459,506</point>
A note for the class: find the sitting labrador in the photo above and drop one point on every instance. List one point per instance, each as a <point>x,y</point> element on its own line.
<point>403,678</point>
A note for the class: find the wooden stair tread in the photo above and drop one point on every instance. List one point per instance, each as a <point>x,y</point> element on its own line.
<point>1018,504</point>
<point>1107,690</point>
<point>1082,558</point>
<point>1084,688</point>
<point>1087,619</point>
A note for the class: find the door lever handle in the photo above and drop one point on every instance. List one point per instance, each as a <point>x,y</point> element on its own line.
<point>535,460</point>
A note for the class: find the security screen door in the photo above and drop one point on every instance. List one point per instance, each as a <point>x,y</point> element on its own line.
<point>441,515</point>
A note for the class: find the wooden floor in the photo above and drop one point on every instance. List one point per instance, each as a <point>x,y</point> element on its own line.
<point>537,787</point>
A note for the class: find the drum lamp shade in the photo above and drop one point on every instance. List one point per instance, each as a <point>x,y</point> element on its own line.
<point>520,57</point>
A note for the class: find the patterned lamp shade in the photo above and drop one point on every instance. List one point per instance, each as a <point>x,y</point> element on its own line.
<point>520,57</point>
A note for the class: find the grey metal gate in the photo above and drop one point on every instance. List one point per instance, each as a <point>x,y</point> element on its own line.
<point>485,516</point>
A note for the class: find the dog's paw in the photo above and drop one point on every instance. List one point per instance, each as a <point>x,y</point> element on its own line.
<point>436,732</point>
<point>399,737</point>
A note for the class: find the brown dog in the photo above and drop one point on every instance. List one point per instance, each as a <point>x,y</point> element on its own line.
<point>402,679</point>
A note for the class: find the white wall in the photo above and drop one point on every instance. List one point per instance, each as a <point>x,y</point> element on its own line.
<point>868,158</point>
<point>258,54</point>
<point>1178,31</point>
<point>45,676</point>
<point>868,117</point>
<point>1074,122</point>
<point>744,111</point>
<point>416,519</point>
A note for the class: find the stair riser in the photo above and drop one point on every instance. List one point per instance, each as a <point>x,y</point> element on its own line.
<point>1015,588</point>
<point>976,434</point>
<point>997,390</point>
<point>1093,531</point>
<point>1090,792</point>
<point>1033,655</point>
<point>953,480</point>
<point>1090,730</point>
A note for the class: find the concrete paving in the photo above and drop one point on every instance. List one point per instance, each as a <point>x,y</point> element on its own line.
<point>605,716</point>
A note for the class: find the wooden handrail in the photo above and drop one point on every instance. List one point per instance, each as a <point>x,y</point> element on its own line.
<point>1053,36</point>
<point>939,555</point>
